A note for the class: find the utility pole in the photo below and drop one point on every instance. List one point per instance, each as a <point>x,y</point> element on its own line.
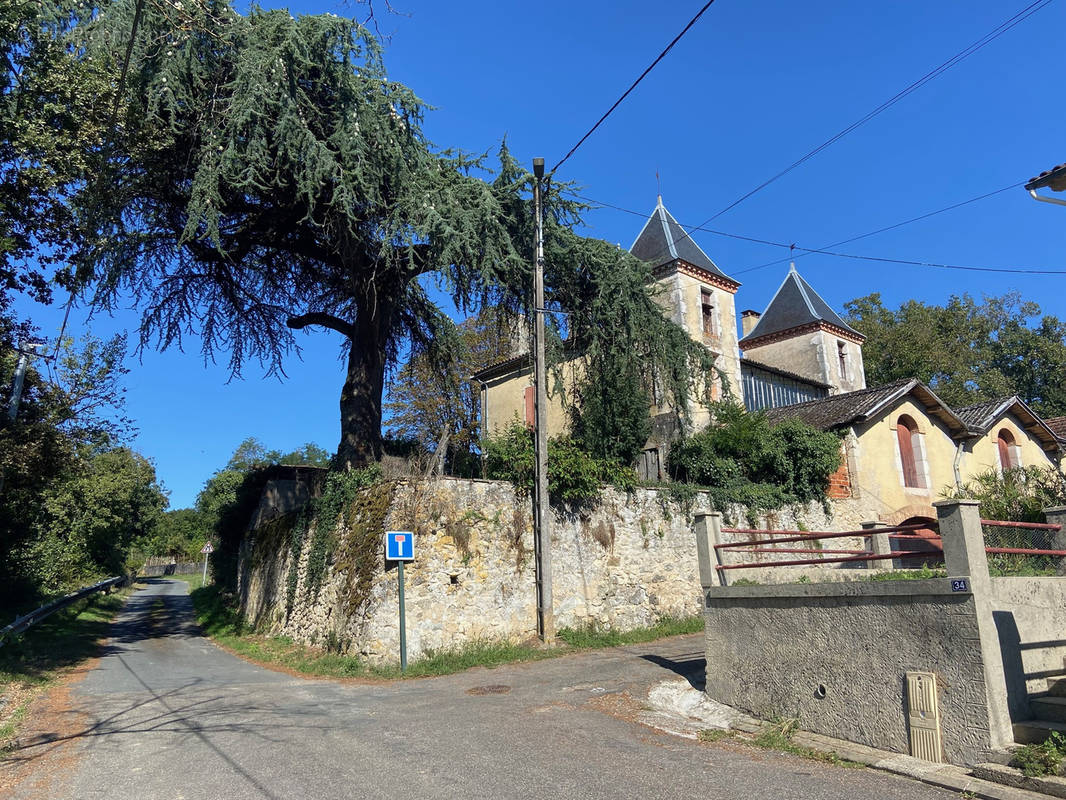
<point>542,538</point>
<point>20,378</point>
<point>16,388</point>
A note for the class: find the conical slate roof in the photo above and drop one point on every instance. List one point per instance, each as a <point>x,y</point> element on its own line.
<point>663,240</point>
<point>795,305</point>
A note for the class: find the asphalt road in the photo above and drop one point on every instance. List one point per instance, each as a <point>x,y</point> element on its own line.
<point>166,714</point>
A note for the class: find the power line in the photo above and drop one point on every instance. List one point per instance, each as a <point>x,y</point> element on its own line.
<point>633,86</point>
<point>994,34</point>
<point>881,259</point>
<point>891,227</point>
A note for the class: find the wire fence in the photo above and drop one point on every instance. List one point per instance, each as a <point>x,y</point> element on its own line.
<point>1022,548</point>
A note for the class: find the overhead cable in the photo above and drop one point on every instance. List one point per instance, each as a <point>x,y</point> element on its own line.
<point>633,86</point>
<point>791,246</point>
<point>989,37</point>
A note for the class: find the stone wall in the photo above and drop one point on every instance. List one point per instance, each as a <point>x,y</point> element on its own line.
<point>628,562</point>
<point>772,650</point>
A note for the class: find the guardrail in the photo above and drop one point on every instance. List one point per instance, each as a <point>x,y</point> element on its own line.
<point>28,620</point>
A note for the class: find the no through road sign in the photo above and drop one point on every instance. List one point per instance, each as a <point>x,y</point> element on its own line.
<point>399,546</point>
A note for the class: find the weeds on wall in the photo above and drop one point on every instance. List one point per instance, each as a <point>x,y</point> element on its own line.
<point>318,521</point>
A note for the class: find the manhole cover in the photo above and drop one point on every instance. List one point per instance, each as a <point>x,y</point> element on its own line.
<point>497,688</point>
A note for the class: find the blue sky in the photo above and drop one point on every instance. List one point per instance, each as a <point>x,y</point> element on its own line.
<point>753,86</point>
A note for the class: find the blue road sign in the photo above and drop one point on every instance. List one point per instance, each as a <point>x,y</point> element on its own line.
<point>399,546</point>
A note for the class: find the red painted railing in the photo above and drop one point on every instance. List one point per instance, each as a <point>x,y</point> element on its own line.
<point>768,542</point>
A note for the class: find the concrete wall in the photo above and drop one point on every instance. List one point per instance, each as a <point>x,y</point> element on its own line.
<point>626,563</point>
<point>1032,635</point>
<point>770,648</point>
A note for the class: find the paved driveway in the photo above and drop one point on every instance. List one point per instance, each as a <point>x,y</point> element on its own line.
<point>166,714</point>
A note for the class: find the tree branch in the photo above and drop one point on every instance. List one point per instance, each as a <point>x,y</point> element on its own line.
<point>323,319</point>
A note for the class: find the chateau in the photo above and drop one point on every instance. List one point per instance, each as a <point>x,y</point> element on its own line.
<point>902,446</point>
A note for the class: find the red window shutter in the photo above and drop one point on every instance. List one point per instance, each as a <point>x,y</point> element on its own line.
<point>906,456</point>
<point>1004,453</point>
<point>531,406</point>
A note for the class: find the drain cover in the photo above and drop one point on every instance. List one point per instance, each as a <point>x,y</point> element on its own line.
<point>497,688</point>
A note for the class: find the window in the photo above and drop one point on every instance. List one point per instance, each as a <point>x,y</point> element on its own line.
<point>1009,457</point>
<point>910,448</point>
<point>842,358</point>
<point>710,330</point>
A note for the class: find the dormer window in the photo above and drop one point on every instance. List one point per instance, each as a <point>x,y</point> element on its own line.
<point>909,441</point>
<point>1009,456</point>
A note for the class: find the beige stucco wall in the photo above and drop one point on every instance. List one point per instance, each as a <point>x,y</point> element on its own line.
<point>877,473</point>
<point>503,397</point>
<point>983,454</point>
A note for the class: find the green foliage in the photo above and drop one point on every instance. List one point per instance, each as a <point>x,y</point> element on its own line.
<point>321,518</point>
<point>967,351</point>
<point>922,573</point>
<point>431,396</point>
<point>75,502</point>
<point>592,636</point>
<point>231,495</point>
<point>574,476</point>
<point>742,459</point>
<point>1045,758</point>
<point>1017,495</point>
<point>631,353</point>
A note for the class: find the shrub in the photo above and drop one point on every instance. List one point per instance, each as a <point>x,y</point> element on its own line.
<point>743,459</point>
<point>1019,495</point>
<point>1044,758</point>
<point>574,476</point>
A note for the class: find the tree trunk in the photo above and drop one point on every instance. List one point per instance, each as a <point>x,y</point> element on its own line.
<point>360,443</point>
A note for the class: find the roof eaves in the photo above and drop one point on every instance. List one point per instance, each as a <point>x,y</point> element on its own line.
<point>1054,179</point>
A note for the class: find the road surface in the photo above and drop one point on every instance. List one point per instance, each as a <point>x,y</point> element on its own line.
<point>166,714</point>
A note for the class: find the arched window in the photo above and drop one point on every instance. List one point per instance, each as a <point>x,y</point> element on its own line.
<point>1008,451</point>
<point>909,451</point>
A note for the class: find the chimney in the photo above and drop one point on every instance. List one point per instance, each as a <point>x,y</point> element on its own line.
<point>748,320</point>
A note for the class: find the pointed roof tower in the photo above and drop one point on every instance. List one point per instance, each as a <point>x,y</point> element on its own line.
<point>794,309</point>
<point>663,243</point>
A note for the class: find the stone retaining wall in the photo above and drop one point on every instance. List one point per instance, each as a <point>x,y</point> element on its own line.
<point>628,562</point>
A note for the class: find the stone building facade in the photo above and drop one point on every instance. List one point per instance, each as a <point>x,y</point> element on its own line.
<point>799,358</point>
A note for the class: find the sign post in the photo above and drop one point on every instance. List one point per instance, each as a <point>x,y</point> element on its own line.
<point>400,547</point>
<point>207,549</point>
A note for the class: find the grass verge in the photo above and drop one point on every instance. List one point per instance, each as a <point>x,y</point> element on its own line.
<point>219,620</point>
<point>38,658</point>
<point>777,735</point>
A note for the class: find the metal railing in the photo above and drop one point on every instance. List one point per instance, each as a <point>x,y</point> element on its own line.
<point>28,620</point>
<point>840,556</point>
<point>1012,547</point>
